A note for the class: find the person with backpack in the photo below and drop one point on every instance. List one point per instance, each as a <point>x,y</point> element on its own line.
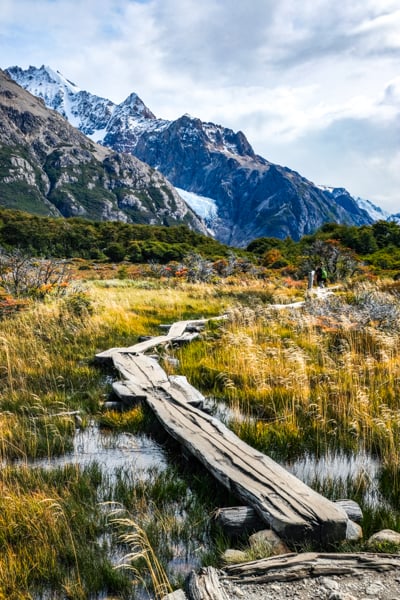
<point>321,276</point>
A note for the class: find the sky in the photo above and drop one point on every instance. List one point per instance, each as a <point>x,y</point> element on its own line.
<point>313,84</point>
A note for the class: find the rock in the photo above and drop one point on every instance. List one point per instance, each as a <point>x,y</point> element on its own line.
<point>386,535</point>
<point>330,584</point>
<point>234,556</point>
<point>353,531</point>
<point>38,145</point>
<point>375,589</point>
<point>177,595</point>
<point>269,539</point>
<point>352,509</point>
<point>238,520</point>
<point>109,405</point>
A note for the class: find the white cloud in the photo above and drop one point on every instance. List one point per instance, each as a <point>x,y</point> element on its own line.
<point>313,85</point>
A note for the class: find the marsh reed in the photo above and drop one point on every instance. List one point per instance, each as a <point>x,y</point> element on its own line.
<point>319,378</point>
<point>311,379</point>
<point>52,532</point>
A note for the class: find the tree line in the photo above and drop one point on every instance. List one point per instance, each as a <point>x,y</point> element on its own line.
<point>376,246</point>
<point>102,240</point>
<point>338,246</point>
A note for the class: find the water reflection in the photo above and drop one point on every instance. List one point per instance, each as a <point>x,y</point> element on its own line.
<point>111,451</point>
<point>340,470</point>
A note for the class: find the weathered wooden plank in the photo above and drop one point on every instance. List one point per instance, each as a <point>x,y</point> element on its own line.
<point>290,567</point>
<point>176,330</point>
<point>136,348</point>
<point>185,338</point>
<point>205,585</point>
<point>281,500</point>
<point>142,371</point>
<point>129,393</point>
<point>185,391</point>
<point>290,507</point>
<point>236,520</point>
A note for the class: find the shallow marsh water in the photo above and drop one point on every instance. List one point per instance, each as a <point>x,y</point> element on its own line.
<point>139,455</point>
<point>111,451</point>
<point>339,470</point>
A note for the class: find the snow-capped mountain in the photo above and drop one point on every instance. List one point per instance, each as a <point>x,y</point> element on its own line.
<point>49,167</point>
<point>342,196</point>
<point>245,195</point>
<point>65,97</point>
<point>375,212</point>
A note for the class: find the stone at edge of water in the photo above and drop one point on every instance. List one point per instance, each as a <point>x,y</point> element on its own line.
<point>234,556</point>
<point>353,531</point>
<point>177,595</point>
<point>352,509</point>
<point>268,538</point>
<point>385,535</point>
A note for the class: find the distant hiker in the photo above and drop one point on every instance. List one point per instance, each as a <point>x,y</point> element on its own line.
<point>321,276</point>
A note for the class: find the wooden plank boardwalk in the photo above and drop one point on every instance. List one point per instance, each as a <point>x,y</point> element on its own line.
<point>284,503</point>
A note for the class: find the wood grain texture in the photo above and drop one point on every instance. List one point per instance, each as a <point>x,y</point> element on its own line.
<point>292,509</point>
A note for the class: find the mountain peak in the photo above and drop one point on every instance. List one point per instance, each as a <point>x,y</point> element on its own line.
<point>50,167</point>
<point>137,107</point>
<point>43,77</point>
<point>250,197</point>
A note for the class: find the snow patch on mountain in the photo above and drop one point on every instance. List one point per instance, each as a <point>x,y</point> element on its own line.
<point>375,212</point>
<point>87,112</point>
<point>204,207</point>
<point>239,194</point>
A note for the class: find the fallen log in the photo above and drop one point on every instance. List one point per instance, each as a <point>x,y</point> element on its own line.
<point>238,520</point>
<point>290,567</point>
<point>295,511</point>
<point>205,585</point>
<point>287,505</point>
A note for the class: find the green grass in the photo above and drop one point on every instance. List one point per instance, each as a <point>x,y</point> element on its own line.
<point>304,381</point>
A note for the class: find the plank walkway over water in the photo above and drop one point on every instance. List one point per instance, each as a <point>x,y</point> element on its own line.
<point>284,503</point>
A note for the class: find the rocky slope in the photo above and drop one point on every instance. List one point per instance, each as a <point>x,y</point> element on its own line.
<point>252,197</point>
<point>49,167</point>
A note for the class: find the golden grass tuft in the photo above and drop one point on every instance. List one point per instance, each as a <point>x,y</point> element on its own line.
<point>324,376</point>
<point>135,537</point>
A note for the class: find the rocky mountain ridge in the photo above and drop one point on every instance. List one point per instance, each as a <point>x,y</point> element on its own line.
<point>252,197</point>
<point>49,167</point>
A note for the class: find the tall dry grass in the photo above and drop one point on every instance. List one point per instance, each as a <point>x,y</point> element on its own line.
<point>49,520</point>
<point>135,538</point>
<point>321,376</point>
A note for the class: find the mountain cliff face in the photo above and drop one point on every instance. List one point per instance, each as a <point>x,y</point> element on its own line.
<point>48,167</point>
<point>251,197</point>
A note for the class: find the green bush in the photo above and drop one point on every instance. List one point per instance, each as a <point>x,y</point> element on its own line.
<point>78,304</point>
<point>115,252</point>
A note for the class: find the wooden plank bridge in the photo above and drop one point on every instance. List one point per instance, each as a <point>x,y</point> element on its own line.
<point>288,506</point>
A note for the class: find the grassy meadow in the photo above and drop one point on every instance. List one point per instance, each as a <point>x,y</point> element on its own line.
<point>323,377</point>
